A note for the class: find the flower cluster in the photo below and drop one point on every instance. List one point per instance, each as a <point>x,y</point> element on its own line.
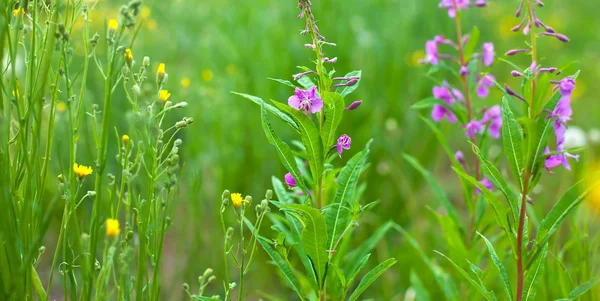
<point>455,5</point>
<point>562,112</point>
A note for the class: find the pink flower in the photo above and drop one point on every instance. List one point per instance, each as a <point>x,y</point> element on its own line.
<point>306,100</point>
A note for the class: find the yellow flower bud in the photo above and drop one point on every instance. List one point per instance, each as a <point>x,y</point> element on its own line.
<point>125,139</point>
<point>113,25</point>
<point>112,228</point>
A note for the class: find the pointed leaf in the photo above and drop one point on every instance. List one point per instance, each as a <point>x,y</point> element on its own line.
<point>370,277</point>
<point>310,138</point>
<point>283,265</point>
<point>270,108</point>
<point>476,284</point>
<point>333,116</point>
<point>496,260</point>
<point>314,238</point>
<point>512,139</point>
<point>472,43</point>
<point>353,258</point>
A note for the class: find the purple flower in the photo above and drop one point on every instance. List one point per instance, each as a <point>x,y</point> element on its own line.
<point>449,96</point>
<point>484,84</point>
<point>486,183</point>
<point>480,3</point>
<point>493,116</point>
<point>343,143</point>
<point>460,157</point>
<point>563,110</point>
<point>473,127</point>
<point>449,5</point>
<point>306,100</point>
<point>431,51</point>
<point>290,181</point>
<point>488,54</point>
<point>464,70</point>
<point>558,159</point>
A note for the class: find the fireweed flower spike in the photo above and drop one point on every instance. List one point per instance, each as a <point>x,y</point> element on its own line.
<point>306,100</point>
<point>449,96</point>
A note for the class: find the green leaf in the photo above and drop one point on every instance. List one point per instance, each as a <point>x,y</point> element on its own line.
<point>512,139</point>
<point>270,108</point>
<point>533,274</point>
<point>283,266</point>
<point>500,210</point>
<point>310,138</point>
<point>344,91</point>
<point>441,276</point>
<point>306,82</point>
<point>496,260</point>
<point>421,292</point>
<point>565,205</point>
<point>314,238</point>
<point>333,116</point>
<point>472,43</point>
<point>488,295</point>
<point>283,150</point>
<point>336,214</point>
<point>354,272</point>
<point>280,191</point>
<point>339,274</point>
<point>493,174</point>
<point>370,277</point>
<point>283,81</point>
<point>583,288</point>
<point>435,187</point>
<point>367,246</point>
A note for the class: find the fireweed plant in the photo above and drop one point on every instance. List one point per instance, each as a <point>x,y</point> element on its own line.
<point>116,194</point>
<point>531,124</point>
<point>318,202</point>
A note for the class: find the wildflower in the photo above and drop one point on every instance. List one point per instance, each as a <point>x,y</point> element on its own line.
<point>207,75</point>
<point>161,73</point>
<point>306,100</point>
<point>488,54</point>
<point>484,84</point>
<point>343,143</point>
<point>431,51</point>
<point>125,139</point>
<point>460,157</point>
<point>493,117</point>
<point>112,228</point>
<point>449,96</point>
<point>559,159</point>
<point>164,95</point>
<point>113,25</point>
<point>18,11</point>
<point>453,5</point>
<point>563,110</point>
<point>473,127</point>
<point>236,199</point>
<point>82,171</point>
<point>128,57</point>
<point>290,181</point>
<point>354,105</point>
<point>464,70</point>
<point>486,183</point>
<point>185,82</point>
<point>61,106</point>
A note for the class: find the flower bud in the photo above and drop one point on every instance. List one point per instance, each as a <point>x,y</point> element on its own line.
<point>146,62</point>
<point>180,124</point>
<point>269,194</point>
<point>264,204</point>
<point>125,139</point>
<point>61,178</point>
<point>208,272</point>
<point>225,194</point>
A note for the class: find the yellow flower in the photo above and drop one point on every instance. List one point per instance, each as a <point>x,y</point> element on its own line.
<point>125,139</point>
<point>113,25</point>
<point>164,95</point>
<point>61,106</point>
<point>82,171</point>
<point>112,228</point>
<point>236,199</point>
<point>18,11</point>
<point>207,75</point>
<point>128,56</point>
<point>160,73</point>
<point>185,82</point>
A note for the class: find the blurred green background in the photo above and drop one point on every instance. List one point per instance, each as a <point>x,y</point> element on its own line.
<point>212,47</point>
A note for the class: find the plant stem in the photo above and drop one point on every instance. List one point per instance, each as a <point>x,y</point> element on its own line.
<point>522,213</point>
